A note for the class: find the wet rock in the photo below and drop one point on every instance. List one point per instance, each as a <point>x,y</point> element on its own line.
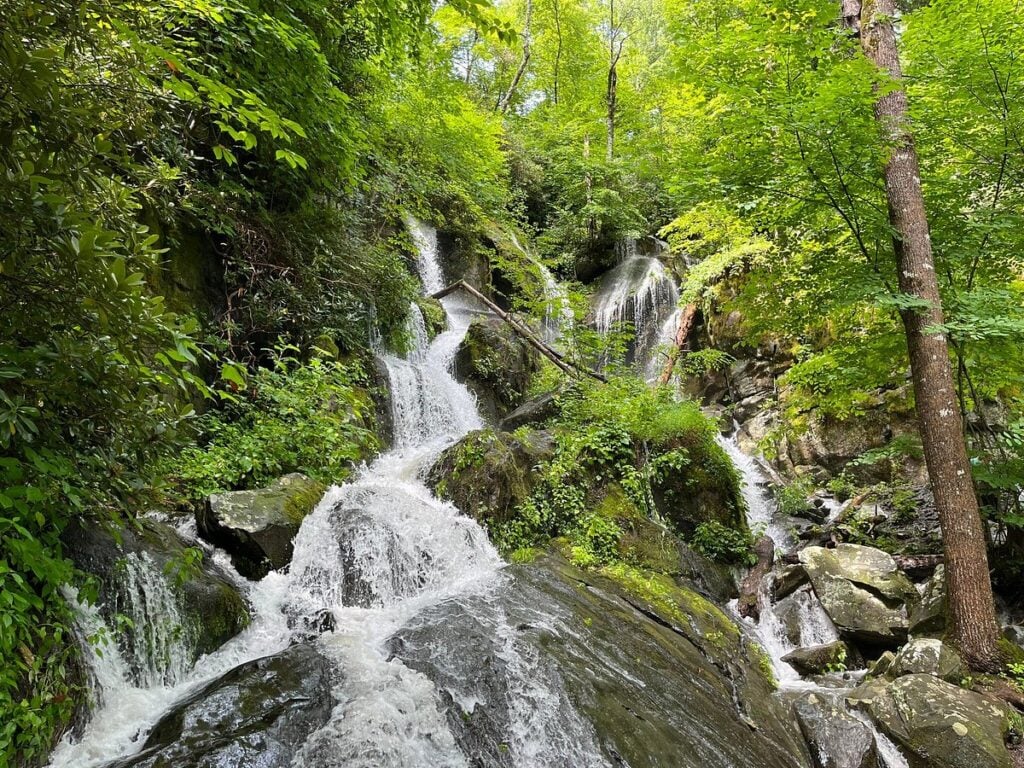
<point>208,600</point>
<point>488,474</point>
<point>944,726</point>
<point>496,365</point>
<point>929,656</point>
<point>929,616</point>
<point>534,411</point>
<point>435,319</point>
<point>821,659</point>
<point>787,580</point>
<point>257,527</point>
<point>630,665</point>
<point>257,715</point>
<point>836,738</point>
<point>862,591</point>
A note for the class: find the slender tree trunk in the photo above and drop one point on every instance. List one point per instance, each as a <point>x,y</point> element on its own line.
<point>974,628</point>
<point>557,11</point>
<point>506,99</point>
<point>471,57</point>
<point>611,91</point>
<point>686,320</point>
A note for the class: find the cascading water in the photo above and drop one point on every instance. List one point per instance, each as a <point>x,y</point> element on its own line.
<point>815,626</point>
<point>557,313</point>
<point>641,291</point>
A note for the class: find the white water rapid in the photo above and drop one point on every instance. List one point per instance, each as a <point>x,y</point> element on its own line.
<point>378,555</point>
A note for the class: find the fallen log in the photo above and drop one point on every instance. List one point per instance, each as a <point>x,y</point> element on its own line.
<point>521,329</point>
<point>686,320</point>
<point>751,584</point>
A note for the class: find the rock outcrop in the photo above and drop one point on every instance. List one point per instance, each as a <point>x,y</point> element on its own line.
<point>258,714</point>
<point>862,591</point>
<point>942,725</point>
<point>207,599</point>
<point>497,365</point>
<point>257,527</point>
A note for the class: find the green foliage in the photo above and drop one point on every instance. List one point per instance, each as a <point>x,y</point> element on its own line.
<point>314,418</point>
<point>792,498</point>
<point>724,544</point>
<point>619,435</point>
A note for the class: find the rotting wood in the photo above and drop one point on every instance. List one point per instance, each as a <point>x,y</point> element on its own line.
<point>521,329</point>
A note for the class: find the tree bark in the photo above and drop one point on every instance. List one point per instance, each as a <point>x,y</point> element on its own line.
<point>506,99</point>
<point>975,631</point>
<point>682,332</point>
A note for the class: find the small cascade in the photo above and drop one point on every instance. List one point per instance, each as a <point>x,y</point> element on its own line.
<point>815,625</point>
<point>640,291</point>
<point>157,637</point>
<point>558,315</point>
<point>428,266</point>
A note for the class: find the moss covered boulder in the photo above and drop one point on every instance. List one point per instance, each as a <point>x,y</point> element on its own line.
<point>497,365</point>
<point>940,724</point>
<point>207,600</point>
<point>695,482</point>
<point>862,591</point>
<point>488,474</point>
<point>257,527</point>
<point>434,317</point>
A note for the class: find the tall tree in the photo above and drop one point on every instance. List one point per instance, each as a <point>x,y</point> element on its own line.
<point>506,99</point>
<point>974,628</point>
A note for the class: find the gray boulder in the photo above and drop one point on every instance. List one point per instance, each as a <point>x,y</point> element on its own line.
<point>821,659</point>
<point>496,365</point>
<point>257,715</point>
<point>928,656</point>
<point>929,616</point>
<point>836,738</point>
<point>863,592</point>
<point>534,411</point>
<point>942,725</point>
<point>257,527</point>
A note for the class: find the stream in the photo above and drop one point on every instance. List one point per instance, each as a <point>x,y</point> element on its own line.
<point>444,655</point>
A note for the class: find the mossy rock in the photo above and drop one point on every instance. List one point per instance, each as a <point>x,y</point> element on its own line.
<point>489,474</point>
<point>706,489</point>
<point>497,365</point>
<point>210,603</point>
<point>257,527</point>
<point>434,317</point>
<point>940,724</point>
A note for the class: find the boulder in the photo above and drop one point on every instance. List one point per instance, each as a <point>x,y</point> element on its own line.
<point>497,365</point>
<point>153,563</point>
<point>788,579</point>
<point>929,616</point>
<point>258,714</point>
<point>536,410</point>
<point>928,656</point>
<point>488,474</point>
<point>638,671</point>
<point>435,319</point>
<point>836,656</point>
<point>836,738</point>
<point>862,591</point>
<point>257,527</point>
<point>942,725</point>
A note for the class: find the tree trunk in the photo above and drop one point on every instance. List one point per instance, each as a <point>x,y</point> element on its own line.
<point>557,10</point>
<point>506,99</point>
<point>972,611</point>
<point>682,332</point>
<point>611,92</point>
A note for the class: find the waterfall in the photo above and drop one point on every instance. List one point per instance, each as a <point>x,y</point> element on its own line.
<point>641,291</point>
<point>557,313</point>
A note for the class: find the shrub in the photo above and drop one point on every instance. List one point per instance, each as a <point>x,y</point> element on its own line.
<point>724,544</point>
